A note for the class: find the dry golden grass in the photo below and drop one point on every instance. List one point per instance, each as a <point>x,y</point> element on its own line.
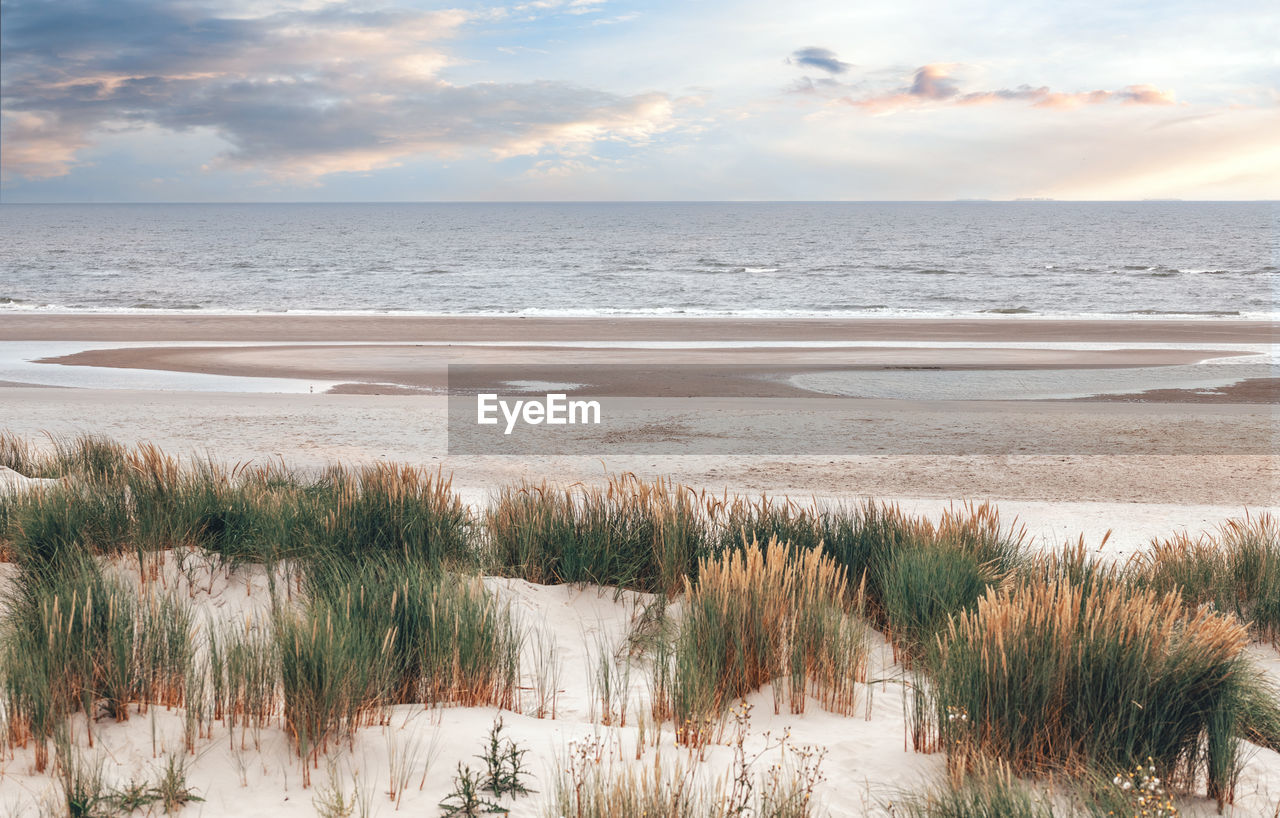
<point>759,616</point>
<point>1051,676</point>
<point>1235,569</point>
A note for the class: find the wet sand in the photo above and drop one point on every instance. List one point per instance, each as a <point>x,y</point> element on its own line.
<point>722,372</point>
<point>1172,448</point>
<point>384,328</point>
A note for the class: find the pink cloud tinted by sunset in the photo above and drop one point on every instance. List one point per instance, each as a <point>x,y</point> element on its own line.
<point>934,84</point>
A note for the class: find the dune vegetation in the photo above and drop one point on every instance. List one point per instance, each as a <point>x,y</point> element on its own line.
<point>1025,670</point>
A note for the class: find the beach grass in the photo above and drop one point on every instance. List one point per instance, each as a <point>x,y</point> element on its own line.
<point>989,792</point>
<point>761,616</point>
<point>912,574</point>
<point>594,780</point>
<point>74,639</point>
<point>1056,665</point>
<point>241,675</point>
<point>383,632</point>
<point>331,678</point>
<point>222,513</point>
<point>922,588</point>
<point>1236,569</point>
<point>445,637</point>
<point>742,522</point>
<point>92,458</point>
<point>383,510</point>
<point>1046,677</point>
<point>645,536</point>
<point>243,513</point>
<point>44,527</point>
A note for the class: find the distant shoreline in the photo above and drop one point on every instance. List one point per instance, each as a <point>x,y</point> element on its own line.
<point>352,327</point>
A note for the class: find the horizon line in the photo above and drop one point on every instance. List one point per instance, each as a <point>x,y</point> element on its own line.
<point>962,200</point>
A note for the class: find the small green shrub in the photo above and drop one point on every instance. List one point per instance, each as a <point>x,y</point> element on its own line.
<point>466,801</point>
<point>504,763</point>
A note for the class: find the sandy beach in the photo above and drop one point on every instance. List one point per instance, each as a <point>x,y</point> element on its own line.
<point>719,405</point>
<point>1182,446</point>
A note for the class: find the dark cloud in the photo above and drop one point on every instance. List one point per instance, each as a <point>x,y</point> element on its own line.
<point>297,92</point>
<point>823,59</point>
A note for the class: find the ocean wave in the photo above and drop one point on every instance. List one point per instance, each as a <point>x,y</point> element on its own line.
<point>715,265</point>
<point>832,311</point>
<point>149,306</point>
<point>1207,313</point>
<point>1010,311</point>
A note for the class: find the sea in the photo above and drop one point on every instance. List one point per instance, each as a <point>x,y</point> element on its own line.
<point>1013,259</point>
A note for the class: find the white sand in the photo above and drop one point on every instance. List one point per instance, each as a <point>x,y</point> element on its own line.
<point>866,763</point>
<point>1057,497</point>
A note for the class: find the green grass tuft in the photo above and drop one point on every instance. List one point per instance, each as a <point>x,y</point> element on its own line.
<point>1044,678</point>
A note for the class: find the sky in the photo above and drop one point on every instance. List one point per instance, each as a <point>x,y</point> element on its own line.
<point>581,100</point>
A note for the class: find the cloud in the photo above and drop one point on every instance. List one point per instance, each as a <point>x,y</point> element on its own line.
<point>823,59</point>
<point>299,92</point>
<point>38,144</point>
<point>933,82</point>
<point>1043,97</point>
<point>934,85</point>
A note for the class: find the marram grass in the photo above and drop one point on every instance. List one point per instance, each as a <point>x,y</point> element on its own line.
<point>989,792</point>
<point>1046,677</point>
<point>382,633</point>
<point>628,534</point>
<point>1235,570</point>
<point>938,570</point>
<point>913,574</point>
<point>74,640</point>
<point>372,543</point>
<point>761,616</point>
<point>388,510</point>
